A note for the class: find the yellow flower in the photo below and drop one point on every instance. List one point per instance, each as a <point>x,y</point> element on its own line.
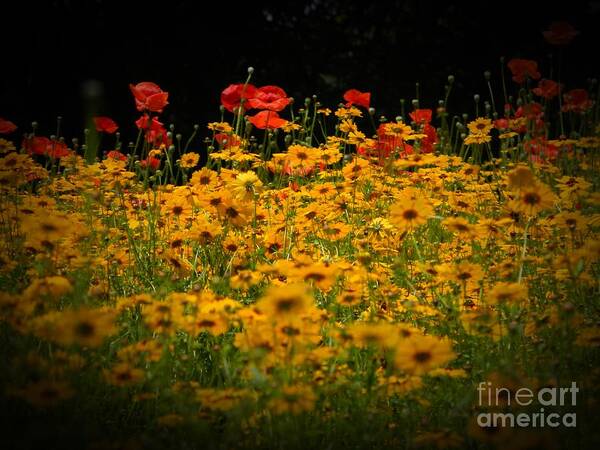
<point>294,400</point>
<point>477,139</point>
<point>409,214</point>
<point>189,160</point>
<point>6,146</point>
<point>420,354</point>
<point>520,177</point>
<point>246,185</point>
<point>286,302</point>
<point>222,127</point>
<point>535,198</point>
<point>480,126</point>
<point>123,375</point>
<point>506,292</point>
<point>398,130</point>
<point>46,393</point>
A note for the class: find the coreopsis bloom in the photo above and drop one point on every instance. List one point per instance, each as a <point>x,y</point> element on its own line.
<point>6,146</point>
<point>560,33</point>
<point>286,302</point>
<point>408,214</point>
<point>381,335</point>
<point>272,98</point>
<point>294,400</point>
<point>507,292</point>
<point>420,354</point>
<point>123,374</point>
<point>480,125</point>
<point>46,393</point>
<point>246,185</point>
<point>534,199</point>
<point>236,94</point>
<point>522,69</point>
<point>520,177</point>
<point>149,96</point>
<point>189,160</point>
<point>84,327</point>
<point>356,97</point>
<point>105,125</point>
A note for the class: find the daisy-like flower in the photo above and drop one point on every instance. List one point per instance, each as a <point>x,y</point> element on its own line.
<point>398,130</point>
<point>408,215</point>
<point>535,198</point>
<point>420,354</point>
<point>189,160</point>
<point>246,185</point>
<point>480,126</point>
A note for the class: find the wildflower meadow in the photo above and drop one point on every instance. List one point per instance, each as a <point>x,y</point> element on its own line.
<point>299,275</point>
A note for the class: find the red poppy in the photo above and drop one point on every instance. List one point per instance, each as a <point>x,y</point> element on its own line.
<point>58,149</point>
<point>41,145</point>
<point>227,140</point>
<point>421,116</point>
<point>531,111</point>
<point>355,97</point>
<point>115,154</point>
<point>522,69</point>
<point>386,145</point>
<point>232,95</point>
<point>36,145</point>
<point>105,125</point>
<point>272,98</point>
<point>577,100</point>
<point>149,96</point>
<point>560,33</point>
<point>540,150</point>
<point>428,142</point>
<point>267,119</point>
<point>6,126</point>
<point>152,161</point>
<point>156,133</point>
<point>547,89</point>
<point>501,124</point>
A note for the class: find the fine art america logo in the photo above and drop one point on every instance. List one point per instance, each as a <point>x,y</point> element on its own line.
<point>545,407</point>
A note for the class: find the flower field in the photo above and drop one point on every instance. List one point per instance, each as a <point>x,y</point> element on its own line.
<point>300,275</point>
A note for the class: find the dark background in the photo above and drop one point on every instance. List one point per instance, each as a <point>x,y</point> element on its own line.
<point>193,50</point>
